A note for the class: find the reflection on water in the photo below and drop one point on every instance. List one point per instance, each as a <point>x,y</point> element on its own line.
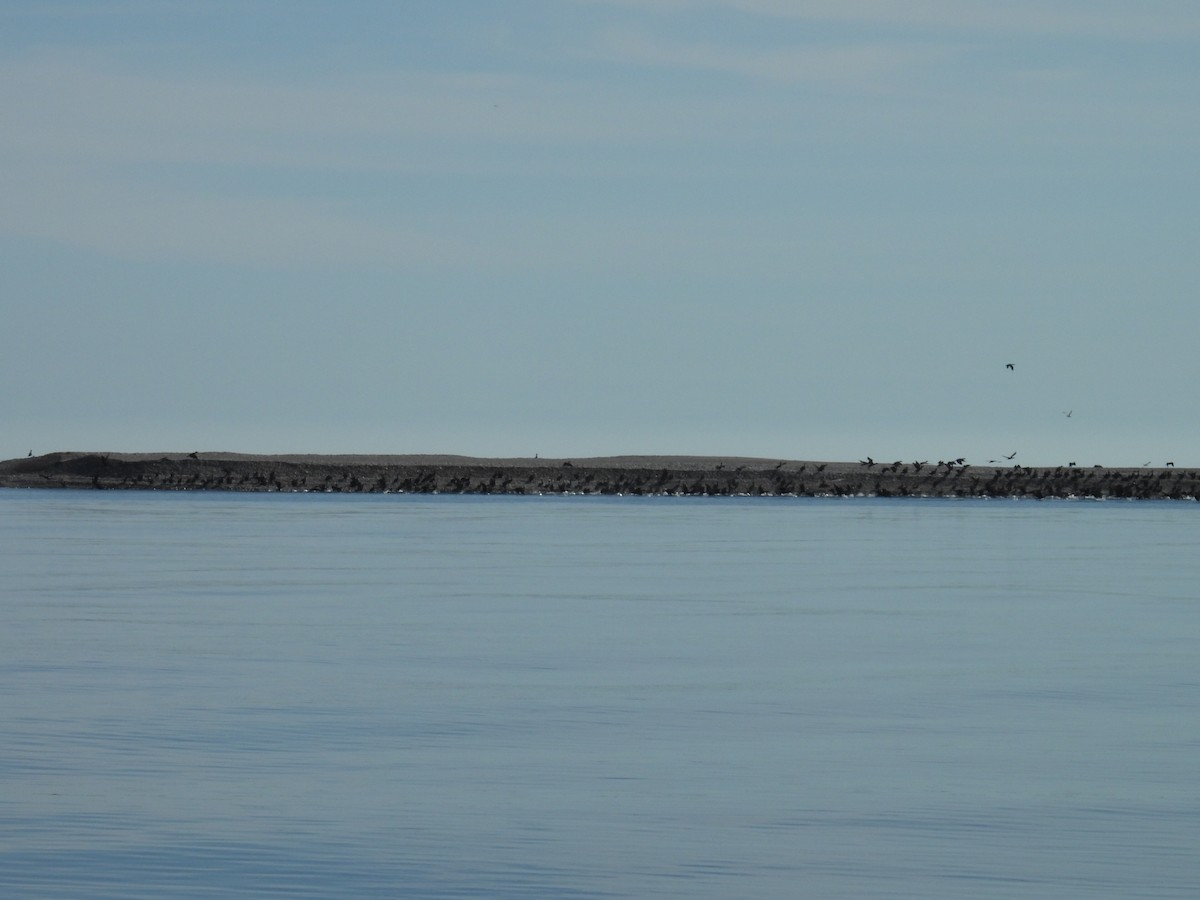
<point>585,697</point>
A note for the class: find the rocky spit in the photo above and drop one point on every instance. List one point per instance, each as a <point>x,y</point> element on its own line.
<point>618,475</point>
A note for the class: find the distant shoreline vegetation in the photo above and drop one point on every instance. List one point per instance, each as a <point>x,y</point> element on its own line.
<point>614,475</point>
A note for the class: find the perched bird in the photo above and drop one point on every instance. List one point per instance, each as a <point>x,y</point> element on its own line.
<point>193,455</point>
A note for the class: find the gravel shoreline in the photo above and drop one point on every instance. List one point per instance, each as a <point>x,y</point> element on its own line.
<point>614,475</point>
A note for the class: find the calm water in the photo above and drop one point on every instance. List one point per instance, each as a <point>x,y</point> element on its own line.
<point>375,696</point>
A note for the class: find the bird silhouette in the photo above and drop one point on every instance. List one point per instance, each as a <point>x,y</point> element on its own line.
<point>1011,455</point>
<point>1067,412</point>
<point>1010,366</point>
<point>193,455</point>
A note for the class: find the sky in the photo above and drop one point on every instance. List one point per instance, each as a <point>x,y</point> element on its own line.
<point>803,229</point>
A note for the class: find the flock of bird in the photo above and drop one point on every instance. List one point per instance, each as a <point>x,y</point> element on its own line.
<point>919,478</point>
<point>949,477</point>
<point>1119,483</point>
<point>1067,413</point>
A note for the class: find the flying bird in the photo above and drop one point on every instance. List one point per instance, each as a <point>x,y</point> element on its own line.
<point>1011,455</point>
<point>1009,366</point>
<point>1067,412</point>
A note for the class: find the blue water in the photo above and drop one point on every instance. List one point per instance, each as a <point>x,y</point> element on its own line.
<point>207,695</point>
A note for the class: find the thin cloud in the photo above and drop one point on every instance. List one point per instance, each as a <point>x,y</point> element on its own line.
<point>855,64</point>
<point>125,219</point>
<point>1154,20</point>
<point>147,165</point>
<point>57,106</point>
<point>241,168</point>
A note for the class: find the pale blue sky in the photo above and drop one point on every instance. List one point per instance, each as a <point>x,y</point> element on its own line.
<point>582,227</point>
